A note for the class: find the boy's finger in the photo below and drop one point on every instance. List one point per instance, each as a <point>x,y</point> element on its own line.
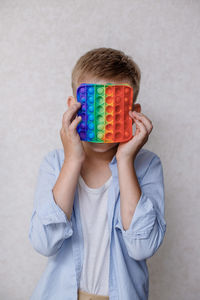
<point>75,122</point>
<point>142,128</point>
<point>147,122</point>
<point>70,113</point>
<point>141,115</point>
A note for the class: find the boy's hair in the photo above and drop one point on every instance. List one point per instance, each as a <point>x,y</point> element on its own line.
<point>107,63</point>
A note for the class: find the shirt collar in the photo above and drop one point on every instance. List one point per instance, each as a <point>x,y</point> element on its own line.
<point>113,161</point>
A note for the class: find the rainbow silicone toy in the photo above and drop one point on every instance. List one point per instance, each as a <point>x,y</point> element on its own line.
<point>104,112</point>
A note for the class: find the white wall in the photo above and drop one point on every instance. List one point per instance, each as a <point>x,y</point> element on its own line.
<point>40,42</point>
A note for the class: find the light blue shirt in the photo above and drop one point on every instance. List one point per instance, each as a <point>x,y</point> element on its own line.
<point>61,240</point>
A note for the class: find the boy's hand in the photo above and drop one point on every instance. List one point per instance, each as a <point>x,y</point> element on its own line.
<point>73,147</point>
<point>143,129</point>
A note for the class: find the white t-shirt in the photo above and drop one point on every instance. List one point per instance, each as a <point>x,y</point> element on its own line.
<point>93,211</point>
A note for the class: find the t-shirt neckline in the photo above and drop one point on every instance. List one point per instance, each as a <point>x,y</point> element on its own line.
<point>94,190</point>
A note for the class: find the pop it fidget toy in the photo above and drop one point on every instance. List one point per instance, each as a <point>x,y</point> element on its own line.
<point>104,112</point>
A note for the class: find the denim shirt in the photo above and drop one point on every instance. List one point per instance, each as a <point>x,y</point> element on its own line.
<point>61,240</point>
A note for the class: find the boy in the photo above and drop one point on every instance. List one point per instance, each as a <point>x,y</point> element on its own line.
<point>99,207</point>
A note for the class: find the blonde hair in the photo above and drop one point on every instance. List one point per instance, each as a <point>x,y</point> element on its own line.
<point>107,63</point>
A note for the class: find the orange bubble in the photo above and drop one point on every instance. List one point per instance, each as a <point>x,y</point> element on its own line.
<point>117,117</point>
<point>109,127</point>
<point>117,126</point>
<point>108,135</point>
<point>126,134</point>
<point>108,90</point>
<point>126,90</point>
<point>118,135</point>
<point>117,108</point>
<point>109,118</point>
<point>117,100</point>
<point>109,109</point>
<point>109,100</point>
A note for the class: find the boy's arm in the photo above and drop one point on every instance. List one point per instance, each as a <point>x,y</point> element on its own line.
<point>141,215</point>
<point>50,222</point>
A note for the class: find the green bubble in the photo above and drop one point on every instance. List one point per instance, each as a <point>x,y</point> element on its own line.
<point>100,119</point>
<point>100,126</point>
<point>100,109</point>
<point>99,135</point>
<point>100,90</point>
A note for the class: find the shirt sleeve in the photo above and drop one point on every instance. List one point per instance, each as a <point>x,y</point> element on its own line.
<point>147,229</point>
<point>49,225</point>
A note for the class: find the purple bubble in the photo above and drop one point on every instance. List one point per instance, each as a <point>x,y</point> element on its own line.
<point>82,135</point>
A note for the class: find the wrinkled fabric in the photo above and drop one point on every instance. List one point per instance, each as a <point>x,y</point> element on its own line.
<point>61,240</point>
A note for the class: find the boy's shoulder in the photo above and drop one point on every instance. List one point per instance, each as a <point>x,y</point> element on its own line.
<point>145,156</point>
<point>143,160</point>
<point>54,157</point>
<point>57,153</point>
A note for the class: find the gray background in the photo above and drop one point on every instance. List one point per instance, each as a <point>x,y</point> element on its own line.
<point>40,41</point>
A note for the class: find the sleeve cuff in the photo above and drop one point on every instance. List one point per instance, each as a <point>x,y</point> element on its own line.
<point>142,221</point>
<point>49,212</point>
